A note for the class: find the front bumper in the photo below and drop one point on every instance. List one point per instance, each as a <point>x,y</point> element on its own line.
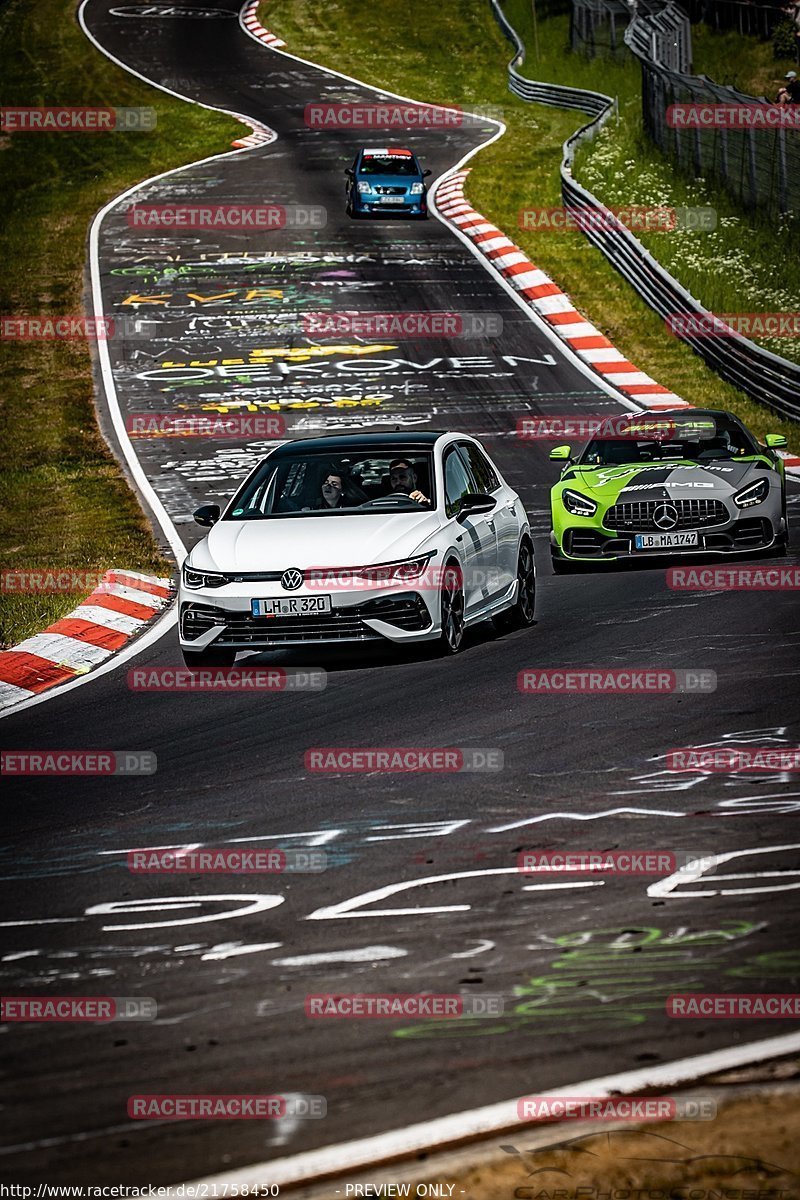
<point>412,206</point>
<point>589,544</point>
<point>208,617</point>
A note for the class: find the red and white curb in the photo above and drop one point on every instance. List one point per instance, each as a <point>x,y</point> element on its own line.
<point>121,607</point>
<point>262,135</point>
<point>548,301</point>
<point>254,26</point>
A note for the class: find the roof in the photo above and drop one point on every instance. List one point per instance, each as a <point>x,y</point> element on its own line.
<point>691,413</point>
<point>340,442</point>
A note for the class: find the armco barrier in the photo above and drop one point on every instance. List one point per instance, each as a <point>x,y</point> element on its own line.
<point>596,27</point>
<point>773,381</point>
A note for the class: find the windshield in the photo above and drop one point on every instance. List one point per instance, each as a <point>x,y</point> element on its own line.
<point>322,484</point>
<point>713,439</point>
<point>389,164</point>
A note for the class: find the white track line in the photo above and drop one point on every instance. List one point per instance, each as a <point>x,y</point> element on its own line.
<point>112,399</point>
<point>441,1134</point>
<point>441,181</point>
<point>476,1122</point>
<point>162,626</point>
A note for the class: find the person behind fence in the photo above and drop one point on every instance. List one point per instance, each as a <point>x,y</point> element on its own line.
<point>789,93</point>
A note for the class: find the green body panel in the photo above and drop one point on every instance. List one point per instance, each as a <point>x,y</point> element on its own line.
<point>604,484</point>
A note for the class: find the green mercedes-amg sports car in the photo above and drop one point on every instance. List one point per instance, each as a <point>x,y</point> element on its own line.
<point>687,481</point>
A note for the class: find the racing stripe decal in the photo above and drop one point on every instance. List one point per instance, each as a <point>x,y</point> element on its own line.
<point>123,604</point>
<point>547,299</point>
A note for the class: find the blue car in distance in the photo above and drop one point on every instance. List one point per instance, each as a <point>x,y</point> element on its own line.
<point>387,180</point>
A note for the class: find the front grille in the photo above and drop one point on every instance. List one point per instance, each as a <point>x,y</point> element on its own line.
<point>751,533</point>
<point>692,514</point>
<point>582,542</point>
<point>390,191</point>
<point>406,611</point>
<point>199,618</point>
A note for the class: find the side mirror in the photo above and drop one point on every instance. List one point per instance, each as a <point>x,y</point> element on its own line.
<point>207,514</point>
<point>475,502</point>
<point>425,174</point>
<point>560,453</point>
<point>775,441</point>
<point>349,172</point>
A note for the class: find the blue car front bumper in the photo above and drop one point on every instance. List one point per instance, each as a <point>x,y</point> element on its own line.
<point>411,205</point>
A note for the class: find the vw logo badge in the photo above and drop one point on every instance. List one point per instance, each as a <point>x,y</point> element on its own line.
<point>292,579</point>
<point>665,516</point>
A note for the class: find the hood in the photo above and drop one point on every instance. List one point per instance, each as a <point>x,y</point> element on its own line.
<point>389,180</point>
<point>324,541</point>
<point>662,481</point>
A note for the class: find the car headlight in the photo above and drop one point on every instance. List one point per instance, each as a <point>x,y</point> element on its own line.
<point>579,506</point>
<point>195,579</point>
<point>365,189</point>
<point>754,493</point>
<point>405,570</point>
<point>417,189</point>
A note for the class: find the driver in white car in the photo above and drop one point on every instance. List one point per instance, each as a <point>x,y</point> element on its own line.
<point>403,478</point>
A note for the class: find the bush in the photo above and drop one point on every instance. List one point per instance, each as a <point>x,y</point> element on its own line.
<point>784,42</point>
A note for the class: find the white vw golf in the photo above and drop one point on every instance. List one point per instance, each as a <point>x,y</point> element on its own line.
<point>358,538</point>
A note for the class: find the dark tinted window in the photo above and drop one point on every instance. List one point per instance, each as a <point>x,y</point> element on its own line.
<point>457,481</point>
<point>482,470</point>
<point>292,484</point>
<point>389,164</point>
<point>723,439</point>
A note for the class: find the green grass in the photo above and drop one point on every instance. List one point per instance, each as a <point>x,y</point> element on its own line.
<point>749,263</point>
<point>455,54</point>
<point>745,63</point>
<point>64,501</point>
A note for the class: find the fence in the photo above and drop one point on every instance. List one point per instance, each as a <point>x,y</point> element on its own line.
<point>597,26</point>
<point>663,36</point>
<point>754,164</point>
<point>754,20</point>
<point>773,381</point>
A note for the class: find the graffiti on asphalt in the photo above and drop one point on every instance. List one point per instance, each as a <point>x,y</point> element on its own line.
<point>611,977</point>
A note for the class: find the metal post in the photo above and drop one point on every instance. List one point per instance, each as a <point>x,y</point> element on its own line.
<point>535,31</point>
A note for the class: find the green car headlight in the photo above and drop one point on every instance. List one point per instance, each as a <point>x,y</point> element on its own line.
<point>754,493</point>
<point>578,505</point>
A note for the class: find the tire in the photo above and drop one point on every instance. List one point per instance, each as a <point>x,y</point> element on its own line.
<point>197,659</point>
<point>451,609</point>
<point>522,613</point>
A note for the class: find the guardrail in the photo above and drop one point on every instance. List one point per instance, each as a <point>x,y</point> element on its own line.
<point>773,381</point>
<point>596,27</point>
<point>662,38</point>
